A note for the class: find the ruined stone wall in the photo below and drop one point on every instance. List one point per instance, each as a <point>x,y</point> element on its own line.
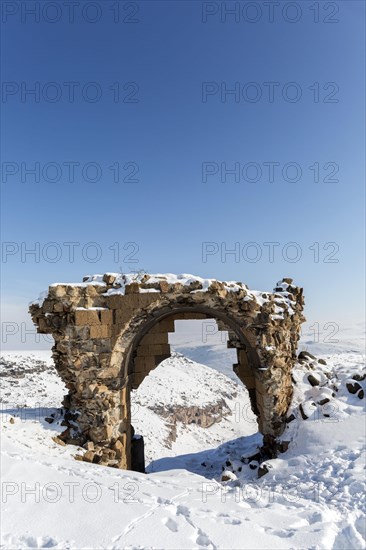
<point>110,331</point>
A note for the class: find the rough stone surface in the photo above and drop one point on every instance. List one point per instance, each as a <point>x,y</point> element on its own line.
<point>110,331</point>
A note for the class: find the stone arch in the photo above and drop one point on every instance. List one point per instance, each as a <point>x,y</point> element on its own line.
<point>162,324</point>
<point>154,330</point>
<point>101,326</point>
<point>178,311</point>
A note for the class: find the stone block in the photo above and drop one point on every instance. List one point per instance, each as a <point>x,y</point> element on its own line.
<point>56,292</point>
<point>261,388</point>
<point>131,301</point>
<point>158,349</point>
<point>164,286</point>
<point>132,288</point>
<point>248,381</point>
<point>93,317</point>
<point>80,332</point>
<point>139,364</point>
<point>106,317</point>
<point>116,330</point>
<point>123,316</point>
<point>43,326</point>
<point>143,350</point>
<point>159,358</point>
<point>47,306</point>
<point>100,331</point>
<point>138,379</point>
<point>115,301</point>
<point>155,338</point>
<point>109,278</point>
<point>101,345</point>
<point>81,317</point>
<point>74,291</point>
<point>90,291</point>
<point>104,360</point>
<point>166,325</point>
<point>144,364</point>
<point>147,298</point>
<point>64,346</point>
<point>243,358</point>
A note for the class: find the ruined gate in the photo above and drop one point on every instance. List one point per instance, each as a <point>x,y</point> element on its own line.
<point>111,330</point>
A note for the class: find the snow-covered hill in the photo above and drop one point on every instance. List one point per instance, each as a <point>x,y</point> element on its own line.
<point>196,423</point>
<point>186,410</point>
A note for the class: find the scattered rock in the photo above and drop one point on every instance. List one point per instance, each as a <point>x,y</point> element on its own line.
<point>59,441</point>
<point>118,447</point>
<point>89,456</point>
<point>361,394</point>
<point>305,356</point>
<point>256,457</point>
<point>283,446</point>
<point>109,278</point>
<point>11,420</point>
<point>49,419</point>
<point>359,377</point>
<point>303,415</point>
<point>263,469</point>
<point>324,401</point>
<point>228,476</point>
<point>353,387</point>
<point>313,381</point>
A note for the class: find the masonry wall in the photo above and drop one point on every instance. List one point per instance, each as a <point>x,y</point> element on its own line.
<point>109,334</point>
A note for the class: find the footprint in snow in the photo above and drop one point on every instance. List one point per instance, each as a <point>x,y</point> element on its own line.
<point>203,540</point>
<point>283,533</point>
<point>171,525</point>
<point>183,510</point>
<point>30,541</point>
<point>227,520</point>
<point>315,517</point>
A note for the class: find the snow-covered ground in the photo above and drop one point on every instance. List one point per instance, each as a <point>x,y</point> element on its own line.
<point>312,496</point>
<point>174,407</point>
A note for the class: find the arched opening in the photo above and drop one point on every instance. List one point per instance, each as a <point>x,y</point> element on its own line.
<point>152,347</point>
<point>192,407</point>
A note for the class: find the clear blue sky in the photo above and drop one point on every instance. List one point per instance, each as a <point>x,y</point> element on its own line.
<point>174,127</point>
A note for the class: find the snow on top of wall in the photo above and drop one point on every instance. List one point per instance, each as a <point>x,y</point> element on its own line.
<point>120,281</point>
<point>185,279</point>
